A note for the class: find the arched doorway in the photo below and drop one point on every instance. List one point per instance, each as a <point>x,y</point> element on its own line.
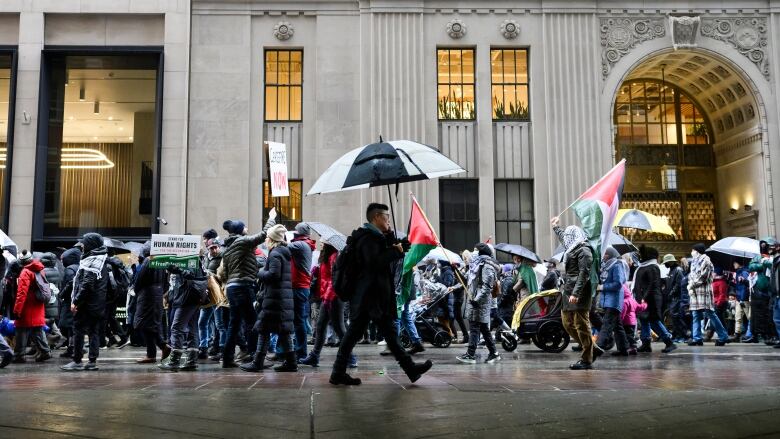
<point>688,125</point>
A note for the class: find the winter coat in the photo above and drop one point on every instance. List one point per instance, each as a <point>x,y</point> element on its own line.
<point>374,287</point>
<point>30,311</point>
<point>551,280</point>
<point>53,274</point>
<point>212,263</point>
<point>612,286</point>
<point>508,298</point>
<point>761,267</point>
<point>301,249</point>
<point>446,308</point>
<point>720,291</point>
<point>327,292</point>
<point>741,284</point>
<point>647,287</point>
<point>70,259</point>
<point>149,286</point>
<point>577,283</point>
<point>700,283</point>
<point>674,282</point>
<point>238,261</point>
<point>630,308</point>
<point>278,309</point>
<point>480,288</point>
<point>90,287</point>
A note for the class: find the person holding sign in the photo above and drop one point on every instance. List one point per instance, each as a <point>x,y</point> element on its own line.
<point>239,273</point>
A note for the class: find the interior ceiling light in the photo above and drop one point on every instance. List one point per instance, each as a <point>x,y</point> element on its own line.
<point>84,158</point>
<point>110,117</point>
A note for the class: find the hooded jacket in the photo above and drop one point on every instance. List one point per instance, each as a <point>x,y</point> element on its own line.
<point>30,311</point>
<point>51,269</point>
<point>91,285</point>
<point>277,311</point>
<point>761,266</point>
<point>630,308</point>
<point>301,249</point>
<point>238,257</point>
<point>741,284</point>
<point>578,276</point>
<point>149,286</point>
<point>70,259</point>
<point>614,276</point>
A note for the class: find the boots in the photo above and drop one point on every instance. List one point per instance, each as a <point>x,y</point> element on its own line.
<point>192,360</point>
<point>645,347</point>
<point>290,363</point>
<point>670,346</point>
<point>203,353</point>
<point>414,370</point>
<point>257,364</point>
<point>312,360</point>
<point>343,378</point>
<point>416,349</point>
<point>173,362</point>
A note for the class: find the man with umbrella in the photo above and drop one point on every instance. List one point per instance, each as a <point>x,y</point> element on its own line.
<point>375,251</point>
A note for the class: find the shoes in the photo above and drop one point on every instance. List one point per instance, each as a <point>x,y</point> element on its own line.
<point>216,357</point>
<point>631,351</point>
<point>382,343</point>
<point>721,342</point>
<point>466,358</point>
<point>493,357</point>
<point>173,362</point>
<point>243,355</point>
<point>343,378</point>
<point>597,351</point>
<point>736,338</point>
<point>123,343</point>
<point>42,357</point>
<point>290,363</point>
<point>770,342</point>
<point>777,346</point>
<point>146,360</point>
<point>752,339</point>
<point>166,350</point>
<point>229,364</point>
<point>19,360</point>
<point>275,358</point>
<point>203,353</point>
<point>414,371</point>
<point>256,365</point>
<point>190,360</point>
<point>619,354</point>
<point>670,346</point>
<point>91,366</point>
<point>310,360</point>
<point>6,360</point>
<point>416,349</point>
<point>581,365</point>
<point>72,367</point>
<point>386,353</point>
<point>695,343</point>
<point>645,347</point>
<point>364,341</point>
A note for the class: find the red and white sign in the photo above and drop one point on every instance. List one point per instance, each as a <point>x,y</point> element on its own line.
<point>277,165</point>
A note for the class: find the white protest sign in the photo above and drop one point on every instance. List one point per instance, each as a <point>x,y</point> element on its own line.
<point>277,164</point>
<point>175,245</point>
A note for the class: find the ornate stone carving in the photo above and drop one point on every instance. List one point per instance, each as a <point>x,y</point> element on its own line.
<point>456,29</point>
<point>746,34</point>
<point>621,34</point>
<point>684,31</point>
<point>509,29</point>
<point>283,31</point>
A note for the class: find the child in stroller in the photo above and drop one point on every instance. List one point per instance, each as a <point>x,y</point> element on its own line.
<point>422,310</point>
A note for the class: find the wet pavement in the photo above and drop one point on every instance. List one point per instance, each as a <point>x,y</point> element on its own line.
<point>693,392</point>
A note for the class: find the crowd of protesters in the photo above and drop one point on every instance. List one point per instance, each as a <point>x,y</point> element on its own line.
<point>258,301</point>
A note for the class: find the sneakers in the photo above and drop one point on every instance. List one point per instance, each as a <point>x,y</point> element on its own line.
<point>466,358</point>
<point>492,358</point>
<point>146,360</point>
<point>343,378</point>
<point>73,367</point>
<point>382,343</point>
<point>670,346</point>
<point>91,366</point>
<point>581,365</point>
<point>695,343</point>
<point>721,342</point>
<point>631,351</point>
<point>40,358</point>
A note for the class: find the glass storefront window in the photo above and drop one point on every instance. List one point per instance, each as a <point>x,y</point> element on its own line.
<point>101,145</point>
<point>455,76</point>
<point>6,71</point>
<point>509,76</point>
<point>289,209</point>
<point>283,85</point>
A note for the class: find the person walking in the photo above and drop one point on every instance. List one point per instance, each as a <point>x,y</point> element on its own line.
<point>70,259</point>
<point>239,272</point>
<point>208,313</point>
<point>376,251</point>
<point>674,282</point>
<point>482,279</point>
<point>740,282</point>
<point>89,301</point>
<point>647,288</point>
<point>301,248</point>
<point>702,302</point>
<point>150,285</point>
<point>30,311</point>
<point>185,301</point>
<point>53,271</point>
<point>613,277</point>
<point>577,289</point>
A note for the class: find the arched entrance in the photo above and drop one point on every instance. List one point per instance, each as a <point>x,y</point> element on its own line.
<point>688,124</point>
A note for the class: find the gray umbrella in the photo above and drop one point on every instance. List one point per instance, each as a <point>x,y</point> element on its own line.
<point>116,246</point>
<point>329,235</point>
<point>518,250</point>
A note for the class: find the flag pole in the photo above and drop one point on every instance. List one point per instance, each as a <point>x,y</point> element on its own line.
<point>600,180</point>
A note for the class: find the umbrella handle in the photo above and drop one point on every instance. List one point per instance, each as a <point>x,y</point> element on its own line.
<point>392,208</point>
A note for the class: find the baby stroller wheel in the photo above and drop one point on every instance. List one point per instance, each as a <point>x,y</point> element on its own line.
<point>508,342</point>
<point>442,339</point>
<point>406,342</point>
<point>551,337</point>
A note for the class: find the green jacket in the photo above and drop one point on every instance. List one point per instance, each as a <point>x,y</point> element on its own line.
<point>761,266</point>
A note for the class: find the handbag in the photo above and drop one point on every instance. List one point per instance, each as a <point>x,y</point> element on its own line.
<point>216,294</point>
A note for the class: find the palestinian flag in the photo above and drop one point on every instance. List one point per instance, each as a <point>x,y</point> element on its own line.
<point>597,208</point>
<point>423,239</point>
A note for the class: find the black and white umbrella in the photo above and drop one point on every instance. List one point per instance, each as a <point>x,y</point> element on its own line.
<point>384,163</point>
<point>733,248</point>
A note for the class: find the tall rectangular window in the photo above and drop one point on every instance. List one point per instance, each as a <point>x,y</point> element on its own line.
<point>6,103</point>
<point>509,78</point>
<point>459,213</point>
<point>515,212</point>
<point>455,80</point>
<point>101,135</point>
<point>289,209</point>
<point>283,85</point>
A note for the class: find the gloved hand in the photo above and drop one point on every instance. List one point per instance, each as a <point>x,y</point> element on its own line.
<point>474,303</point>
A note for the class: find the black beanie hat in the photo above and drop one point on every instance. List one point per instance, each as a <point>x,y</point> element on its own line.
<point>701,248</point>
<point>484,249</point>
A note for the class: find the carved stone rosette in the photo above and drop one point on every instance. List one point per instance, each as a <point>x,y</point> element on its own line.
<point>283,31</point>
<point>509,29</point>
<point>746,34</point>
<point>684,31</point>
<point>456,29</point>
<point>621,34</point>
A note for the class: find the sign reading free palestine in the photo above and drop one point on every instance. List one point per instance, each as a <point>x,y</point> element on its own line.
<point>180,250</point>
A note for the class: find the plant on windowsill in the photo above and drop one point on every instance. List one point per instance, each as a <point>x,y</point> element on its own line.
<point>517,111</point>
<point>450,109</point>
<point>699,132</point>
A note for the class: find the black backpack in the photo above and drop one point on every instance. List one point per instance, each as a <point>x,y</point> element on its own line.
<point>43,290</point>
<point>346,270</point>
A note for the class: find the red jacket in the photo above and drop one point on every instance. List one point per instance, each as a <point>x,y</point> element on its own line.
<point>720,290</point>
<point>301,248</point>
<point>31,311</point>
<point>327,293</point>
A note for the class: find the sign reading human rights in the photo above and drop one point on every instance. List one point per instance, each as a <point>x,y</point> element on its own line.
<point>277,165</point>
<point>180,250</point>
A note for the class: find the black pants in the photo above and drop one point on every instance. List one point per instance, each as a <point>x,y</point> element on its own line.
<point>358,324</point>
<point>612,331</point>
<point>677,310</point>
<point>153,340</point>
<point>630,331</point>
<point>35,334</point>
<point>112,327</point>
<point>475,329</point>
<point>458,307</point>
<point>330,312</point>
<point>89,326</point>
<point>242,315</point>
<point>760,315</point>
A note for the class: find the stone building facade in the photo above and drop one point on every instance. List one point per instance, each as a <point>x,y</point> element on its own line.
<point>536,100</point>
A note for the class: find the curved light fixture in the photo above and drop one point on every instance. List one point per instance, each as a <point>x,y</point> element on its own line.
<point>3,157</point>
<point>84,158</point>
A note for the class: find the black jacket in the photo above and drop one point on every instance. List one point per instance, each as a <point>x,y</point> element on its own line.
<point>446,277</point>
<point>277,312</point>
<point>149,286</point>
<point>89,289</point>
<point>238,257</point>
<point>647,287</point>
<point>51,269</point>
<point>374,287</point>
<point>70,259</point>
<point>674,282</point>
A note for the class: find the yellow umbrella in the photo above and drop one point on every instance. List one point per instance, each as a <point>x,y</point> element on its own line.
<point>638,219</point>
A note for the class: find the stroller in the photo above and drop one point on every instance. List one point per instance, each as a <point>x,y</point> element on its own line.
<point>428,328</point>
<point>538,317</point>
